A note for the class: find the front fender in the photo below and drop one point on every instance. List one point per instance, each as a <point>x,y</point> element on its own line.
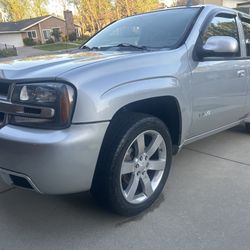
<point>108,103</point>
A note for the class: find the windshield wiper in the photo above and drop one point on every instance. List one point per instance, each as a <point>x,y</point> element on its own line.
<point>128,45</point>
<point>88,48</point>
<point>121,45</point>
<point>85,47</point>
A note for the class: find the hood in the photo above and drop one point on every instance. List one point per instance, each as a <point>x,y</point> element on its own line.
<point>51,66</point>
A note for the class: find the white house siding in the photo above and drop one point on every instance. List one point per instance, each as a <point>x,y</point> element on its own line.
<point>232,3</point>
<point>12,39</point>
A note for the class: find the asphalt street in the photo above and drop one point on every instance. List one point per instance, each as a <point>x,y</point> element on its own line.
<point>205,205</point>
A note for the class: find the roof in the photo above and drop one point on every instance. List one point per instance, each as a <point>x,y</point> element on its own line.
<point>20,26</point>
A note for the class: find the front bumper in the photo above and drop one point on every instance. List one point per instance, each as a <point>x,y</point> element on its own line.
<point>53,162</point>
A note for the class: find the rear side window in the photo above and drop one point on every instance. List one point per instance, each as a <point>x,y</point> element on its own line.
<point>246,28</point>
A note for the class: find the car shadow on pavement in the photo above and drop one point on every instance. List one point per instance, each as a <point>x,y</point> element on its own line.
<point>239,129</point>
<point>47,214</point>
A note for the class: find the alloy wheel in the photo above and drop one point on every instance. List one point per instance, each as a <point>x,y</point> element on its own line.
<point>143,166</point>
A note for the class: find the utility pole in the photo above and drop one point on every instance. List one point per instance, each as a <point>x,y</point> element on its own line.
<point>189,3</point>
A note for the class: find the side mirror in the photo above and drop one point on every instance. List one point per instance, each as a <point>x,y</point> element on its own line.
<point>219,46</point>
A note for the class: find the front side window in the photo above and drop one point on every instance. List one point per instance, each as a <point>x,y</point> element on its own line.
<point>162,29</point>
<point>246,28</point>
<point>221,26</point>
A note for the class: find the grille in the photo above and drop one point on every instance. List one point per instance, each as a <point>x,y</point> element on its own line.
<point>4,89</point>
<point>1,117</point>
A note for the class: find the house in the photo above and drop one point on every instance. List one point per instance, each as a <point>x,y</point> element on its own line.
<point>245,7</point>
<point>39,29</point>
<point>225,3</point>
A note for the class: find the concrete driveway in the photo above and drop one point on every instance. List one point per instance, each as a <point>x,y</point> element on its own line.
<point>24,52</point>
<point>205,205</point>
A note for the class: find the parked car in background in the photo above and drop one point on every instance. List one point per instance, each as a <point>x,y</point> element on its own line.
<point>109,116</point>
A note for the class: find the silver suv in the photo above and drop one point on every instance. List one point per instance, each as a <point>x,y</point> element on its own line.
<point>109,116</point>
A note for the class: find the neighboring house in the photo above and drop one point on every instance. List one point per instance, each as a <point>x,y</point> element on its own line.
<point>245,6</point>
<point>225,3</point>
<point>39,29</point>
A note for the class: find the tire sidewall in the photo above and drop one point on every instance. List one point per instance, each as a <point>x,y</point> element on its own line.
<point>130,135</point>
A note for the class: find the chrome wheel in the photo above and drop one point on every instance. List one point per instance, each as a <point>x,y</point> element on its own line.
<point>143,166</point>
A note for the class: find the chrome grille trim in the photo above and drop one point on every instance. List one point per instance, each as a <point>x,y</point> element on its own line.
<point>5,88</point>
<point>25,110</point>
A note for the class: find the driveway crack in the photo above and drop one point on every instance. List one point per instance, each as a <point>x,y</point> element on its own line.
<point>219,157</point>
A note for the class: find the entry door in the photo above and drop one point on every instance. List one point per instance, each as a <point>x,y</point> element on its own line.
<point>219,85</point>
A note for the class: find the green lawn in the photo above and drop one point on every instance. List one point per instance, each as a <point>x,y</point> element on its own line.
<point>56,46</point>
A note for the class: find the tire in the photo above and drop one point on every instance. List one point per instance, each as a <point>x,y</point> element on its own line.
<point>247,127</point>
<point>112,185</point>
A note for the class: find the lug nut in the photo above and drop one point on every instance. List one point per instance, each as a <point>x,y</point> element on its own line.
<point>141,158</point>
<point>137,165</point>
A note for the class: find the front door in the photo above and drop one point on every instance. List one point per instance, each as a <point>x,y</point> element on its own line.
<point>219,85</point>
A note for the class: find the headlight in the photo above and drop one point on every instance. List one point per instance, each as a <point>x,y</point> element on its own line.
<point>43,105</point>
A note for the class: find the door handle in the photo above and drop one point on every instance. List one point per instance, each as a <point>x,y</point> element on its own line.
<point>241,73</point>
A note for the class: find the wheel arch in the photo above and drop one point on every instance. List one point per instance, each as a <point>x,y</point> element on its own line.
<point>166,108</point>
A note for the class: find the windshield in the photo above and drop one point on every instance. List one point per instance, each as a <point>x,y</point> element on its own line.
<point>162,29</point>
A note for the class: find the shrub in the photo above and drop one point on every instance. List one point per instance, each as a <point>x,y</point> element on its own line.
<point>72,36</point>
<point>49,41</point>
<point>29,41</point>
<point>65,38</point>
<point>56,33</point>
<point>85,37</point>
<point>8,52</point>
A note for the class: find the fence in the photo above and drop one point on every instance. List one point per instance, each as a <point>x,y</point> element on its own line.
<point>7,50</point>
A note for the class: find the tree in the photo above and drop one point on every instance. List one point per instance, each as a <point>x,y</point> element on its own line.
<point>93,14</point>
<point>130,7</point>
<point>39,7</point>
<point>23,9</point>
<point>17,9</point>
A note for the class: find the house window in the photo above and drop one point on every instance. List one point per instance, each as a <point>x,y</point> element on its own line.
<point>46,34</point>
<point>32,34</point>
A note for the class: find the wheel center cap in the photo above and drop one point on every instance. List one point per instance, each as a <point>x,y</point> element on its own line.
<point>143,162</point>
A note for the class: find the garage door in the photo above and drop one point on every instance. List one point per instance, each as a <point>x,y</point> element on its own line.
<point>12,39</point>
